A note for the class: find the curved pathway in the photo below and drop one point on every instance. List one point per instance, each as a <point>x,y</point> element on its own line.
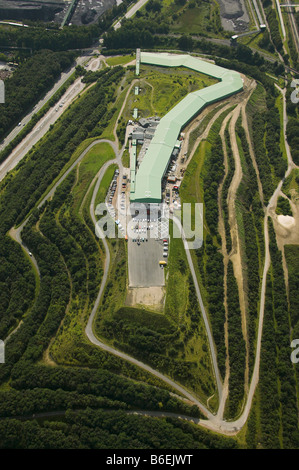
<point>202,307</point>
<point>89,327</point>
<point>212,422</point>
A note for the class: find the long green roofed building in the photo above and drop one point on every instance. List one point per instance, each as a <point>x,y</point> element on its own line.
<point>148,179</point>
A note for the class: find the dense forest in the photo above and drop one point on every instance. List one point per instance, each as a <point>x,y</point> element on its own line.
<point>108,429</point>
<point>29,83</point>
<point>90,405</point>
<point>72,37</point>
<point>33,388</point>
<point>43,166</point>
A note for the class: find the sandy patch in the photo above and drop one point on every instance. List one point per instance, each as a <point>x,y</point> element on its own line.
<point>286,221</point>
<point>150,296</point>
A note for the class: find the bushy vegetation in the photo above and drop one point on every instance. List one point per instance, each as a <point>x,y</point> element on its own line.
<point>17,285</point>
<point>274,424</point>
<point>84,119</point>
<point>258,129</point>
<point>214,277</point>
<point>293,139</point>
<point>209,159</point>
<point>253,247</point>
<point>285,371</point>
<point>26,402</point>
<point>274,28</point>
<point>265,123</point>
<point>173,342</point>
<point>292,254</point>
<point>212,177</point>
<point>71,265</point>
<point>268,386</point>
<point>96,382</point>
<point>152,33</point>
<point>225,188</point>
<point>236,346</point>
<point>283,206</point>
<point>17,198</point>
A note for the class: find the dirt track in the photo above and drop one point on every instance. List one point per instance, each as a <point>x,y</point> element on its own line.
<point>213,422</point>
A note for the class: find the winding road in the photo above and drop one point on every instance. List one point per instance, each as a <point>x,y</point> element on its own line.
<point>213,422</point>
<point>43,125</point>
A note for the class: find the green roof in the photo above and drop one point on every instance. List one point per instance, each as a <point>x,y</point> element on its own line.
<point>133,158</point>
<point>154,164</point>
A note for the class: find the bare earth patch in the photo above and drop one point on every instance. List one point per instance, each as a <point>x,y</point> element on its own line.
<point>287,227</point>
<point>286,221</point>
<point>149,296</point>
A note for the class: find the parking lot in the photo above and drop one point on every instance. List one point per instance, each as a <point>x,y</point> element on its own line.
<point>145,251</point>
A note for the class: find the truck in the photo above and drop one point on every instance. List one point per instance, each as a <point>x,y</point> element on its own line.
<point>171,179</point>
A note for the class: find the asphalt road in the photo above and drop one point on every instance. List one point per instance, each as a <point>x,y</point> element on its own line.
<point>202,308</point>
<point>131,12</point>
<point>44,123</point>
<point>89,327</point>
<point>212,422</point>
<point>63,78</point>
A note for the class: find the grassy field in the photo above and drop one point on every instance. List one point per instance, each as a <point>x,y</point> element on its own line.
<point>174,342</point>
<point>119,99</point>
<point>72,330</point>
<point>126,158</point>
<point>177,284</point>
<point>119,60</point>
<point>89,167</point>
<point>191,187</point>
<point>162,88</point>
<point>291,184</point>
<point>105,183</point>
<point>203,20</point>
<point>200,129</point>
<point>279,105</point>
<point>254,41</point>
<point>168,341</point>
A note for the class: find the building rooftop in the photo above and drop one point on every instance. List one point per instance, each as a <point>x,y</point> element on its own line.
<point>153,166</point>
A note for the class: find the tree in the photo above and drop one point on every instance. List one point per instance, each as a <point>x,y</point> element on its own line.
<point>185,43</point>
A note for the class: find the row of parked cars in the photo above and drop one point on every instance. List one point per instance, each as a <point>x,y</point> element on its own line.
<point>138,240</point>
<point>165,247</point>
<point>113,186</point>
